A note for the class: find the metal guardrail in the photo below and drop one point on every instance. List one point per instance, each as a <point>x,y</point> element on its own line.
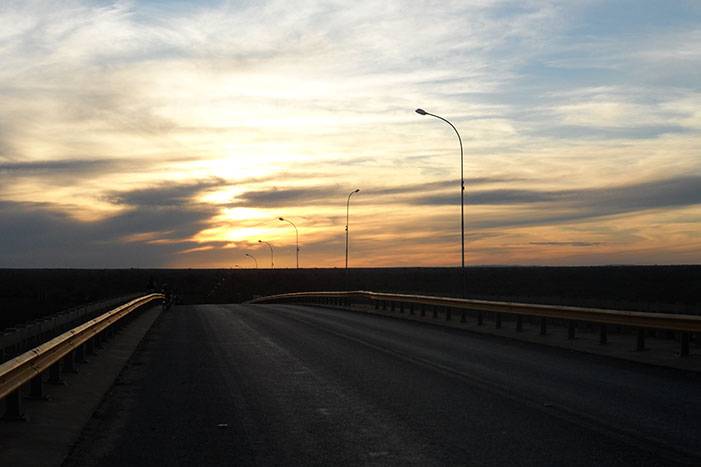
<point>65,348</point>
<point>684,324</point>
<point>21,337</point>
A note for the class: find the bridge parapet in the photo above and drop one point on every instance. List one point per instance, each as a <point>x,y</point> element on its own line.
<point>61,353</point>
<point>680,326</point>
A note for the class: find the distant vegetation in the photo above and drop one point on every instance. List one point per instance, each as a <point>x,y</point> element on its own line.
<point>29,293</point>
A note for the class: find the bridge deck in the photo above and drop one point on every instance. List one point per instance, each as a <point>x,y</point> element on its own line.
<point>282,384</point>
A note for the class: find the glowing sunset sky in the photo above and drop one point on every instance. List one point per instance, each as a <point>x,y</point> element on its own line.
<point>174,134</point>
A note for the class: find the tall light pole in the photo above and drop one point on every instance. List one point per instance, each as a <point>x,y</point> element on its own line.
<point>462,197</point>
<point>296,232</point>
<point>254,260</point>
<point>272,264</point>
<point>347,218</point>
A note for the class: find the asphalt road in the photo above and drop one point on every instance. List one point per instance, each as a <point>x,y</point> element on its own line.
<point>292,385</point>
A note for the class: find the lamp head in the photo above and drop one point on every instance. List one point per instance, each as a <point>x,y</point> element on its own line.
<point>281,218</point>
<point>421,111</point>
<point>260,241</point>
<point>357,190</point>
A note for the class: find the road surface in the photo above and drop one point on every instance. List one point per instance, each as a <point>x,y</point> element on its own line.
<point>293,385</point>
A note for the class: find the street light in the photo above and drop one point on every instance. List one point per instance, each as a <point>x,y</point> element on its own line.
<point>254,260</point>
<point>272,265</point>
<point>462,195</point>
<point>296,232</point>
<point>347,217</point>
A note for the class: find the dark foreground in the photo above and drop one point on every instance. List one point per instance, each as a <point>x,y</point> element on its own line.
<point>274,385</point>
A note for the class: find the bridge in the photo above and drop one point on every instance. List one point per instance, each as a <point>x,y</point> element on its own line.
<point>353,378</point>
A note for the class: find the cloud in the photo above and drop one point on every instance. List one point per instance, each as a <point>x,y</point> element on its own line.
<point>97,97</point>
<point>292,196</point>
<point>16,169</point>
<point>277,197</point>
<point>412,188</point>
<point>492,197</point>
<point>164,194</point>
<point>154,224</point>
<point>555,207</point>
<point>575,244</point>
<point>679,191</point>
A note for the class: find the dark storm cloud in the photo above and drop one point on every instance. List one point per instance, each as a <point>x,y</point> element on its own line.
<point>578,205</point>
<point>36,235</point>
<point>42,235</point>
<point>674,192</point>
<point>285,196</point>
<point>276,197</point>
<point>439,185</point>
<point>539,206</point>
<point>506,196</point>
<point>165,194</point>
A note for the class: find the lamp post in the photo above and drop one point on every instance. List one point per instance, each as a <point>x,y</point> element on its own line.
<point>296,233</point>
<point>347,218</point>
<point>272,264</point>
<point>462,197</point>
<point>254,260</point>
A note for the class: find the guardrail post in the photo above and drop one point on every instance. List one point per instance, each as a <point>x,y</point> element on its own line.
<point>519,323</point>
<point>684,338</point>
<point>603,335</point>
<point>55,374</point>
<point>69,363</point>
<point>480,318</point>
<point>423,310</point>
<point>90,347</point>
<point>497,320</point>
<point>392,305</point>
<point>447,313</point>
<point>570,330</point>
<point>13,407</point>
<point>543,326</point>
<point>401,307</point>
<point>640,341</point>
<point>377,305</point>
<point>98,339</point>
<point>435,311</point>
<point>411,308</point>
<point>36,388</point>
<point>463,317</point>
<point>384,305</point>
<point>80,354</point>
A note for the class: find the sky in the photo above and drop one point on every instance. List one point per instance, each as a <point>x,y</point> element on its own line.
<point>175,134</point>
